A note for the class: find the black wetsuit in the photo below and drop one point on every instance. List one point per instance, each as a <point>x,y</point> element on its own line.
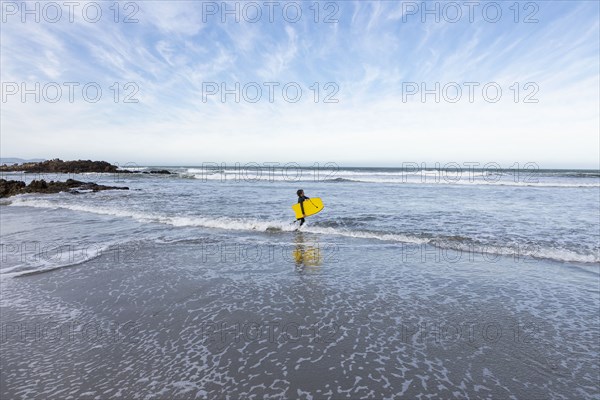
<point>301,200</point>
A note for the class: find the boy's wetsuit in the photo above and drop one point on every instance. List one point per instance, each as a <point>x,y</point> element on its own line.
<point>301,200</point>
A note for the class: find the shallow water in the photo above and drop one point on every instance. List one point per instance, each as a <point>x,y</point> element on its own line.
<point>184,287</point>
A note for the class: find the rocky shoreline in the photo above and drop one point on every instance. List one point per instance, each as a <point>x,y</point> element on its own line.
<point>12,188</point>
<point>60,166</point>
<point>73,167</point>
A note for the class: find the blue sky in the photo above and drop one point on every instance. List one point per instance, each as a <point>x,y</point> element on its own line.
<point>371,56</point>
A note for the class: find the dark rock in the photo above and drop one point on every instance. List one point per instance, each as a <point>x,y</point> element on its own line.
<point>60,166</point>
<point>161,171</point>
<point>11,188</point>
<point>38,186</point>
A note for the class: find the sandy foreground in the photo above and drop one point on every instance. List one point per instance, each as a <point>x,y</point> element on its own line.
<point>309,320</point>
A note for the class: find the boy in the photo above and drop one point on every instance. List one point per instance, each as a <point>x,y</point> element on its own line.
<point>301,198</point>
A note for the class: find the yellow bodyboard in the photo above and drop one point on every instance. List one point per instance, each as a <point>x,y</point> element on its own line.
<point>311,207</point>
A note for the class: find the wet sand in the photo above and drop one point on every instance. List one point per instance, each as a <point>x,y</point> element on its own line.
<point>353,319</point>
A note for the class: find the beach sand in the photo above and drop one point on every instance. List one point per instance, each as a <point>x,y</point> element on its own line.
<point>354,318</point>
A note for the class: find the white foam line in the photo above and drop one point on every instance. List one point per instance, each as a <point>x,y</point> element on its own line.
<point>226,223</point>
<point>46,266</point>
<point>371,178</point>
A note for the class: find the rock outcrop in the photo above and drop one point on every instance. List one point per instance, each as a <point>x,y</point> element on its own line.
<point>60,166</point>
<point>73,167</point>
<point>11,188</point>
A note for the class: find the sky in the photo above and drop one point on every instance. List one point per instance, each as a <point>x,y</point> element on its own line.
<point>358,83</point>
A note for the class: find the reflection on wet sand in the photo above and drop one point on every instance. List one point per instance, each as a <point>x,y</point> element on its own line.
<point>306,254</point>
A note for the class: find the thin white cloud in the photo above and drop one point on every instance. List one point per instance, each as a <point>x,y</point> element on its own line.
<point>170,53</point>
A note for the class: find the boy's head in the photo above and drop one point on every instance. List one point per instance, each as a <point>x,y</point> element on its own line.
<point>300,192</point>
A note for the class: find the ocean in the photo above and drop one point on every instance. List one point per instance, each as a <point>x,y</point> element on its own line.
<point>443,283</point>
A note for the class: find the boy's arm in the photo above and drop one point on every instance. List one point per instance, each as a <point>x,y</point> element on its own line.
<point>302,204</point>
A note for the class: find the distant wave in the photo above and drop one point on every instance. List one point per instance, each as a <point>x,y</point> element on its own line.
<point>274,226</point>
<point>479,182</point>
<point>548,179</point>
<point>134,169</point>
<point>341,180</point>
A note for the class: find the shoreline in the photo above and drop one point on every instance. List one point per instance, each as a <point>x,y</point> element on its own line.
<point>271,328</point>
<point>410,245</point>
